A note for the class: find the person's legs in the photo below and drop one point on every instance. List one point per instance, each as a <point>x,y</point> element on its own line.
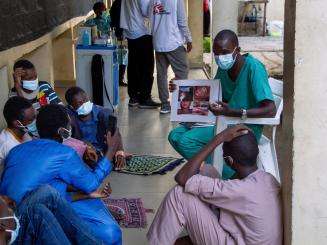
<point>162,64</point>
<point>74,227</point>
<point>40,226</point>
<point>193,141</point>
<point>175,135</point>
<point>178,62</point>
<point>132,72</point>
<point>146,68</point>
<point>97,217</point>
<point>122,69</point>
<point>182,210</point>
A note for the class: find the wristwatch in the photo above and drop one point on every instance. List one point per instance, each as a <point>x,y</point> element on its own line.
<point>244,114</point>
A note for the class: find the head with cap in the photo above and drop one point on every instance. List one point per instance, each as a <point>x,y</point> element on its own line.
<point>98,8</point>
<point>226,43</point>
<point>78,100</point>
<point>19,115</point>
<point>53,123</point>
<point>241,152</point>
<point>28,76</point>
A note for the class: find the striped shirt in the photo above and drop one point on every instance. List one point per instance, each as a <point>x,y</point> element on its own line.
<point>45,95</point>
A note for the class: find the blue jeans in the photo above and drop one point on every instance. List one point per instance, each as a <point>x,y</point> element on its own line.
<point>46,218</point>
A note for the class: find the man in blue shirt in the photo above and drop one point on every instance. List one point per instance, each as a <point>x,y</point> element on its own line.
<point>90,123</point>
<point>47,161</point>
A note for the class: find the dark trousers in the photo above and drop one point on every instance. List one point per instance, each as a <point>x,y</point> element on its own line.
<point>122,69</point>
<point>140,68</point>
<point>206,23</point>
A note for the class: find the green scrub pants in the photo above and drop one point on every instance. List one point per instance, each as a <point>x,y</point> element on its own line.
<point>189,141</point>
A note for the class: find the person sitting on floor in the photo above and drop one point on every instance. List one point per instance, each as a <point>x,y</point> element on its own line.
<point>20,117</point>
<point>47,161</point>
<point>245,91</point>
<point>91,123</point>
<point>246,210</point>
<point>27,85</point>
<point>43,217</point>
<point>102,18</point>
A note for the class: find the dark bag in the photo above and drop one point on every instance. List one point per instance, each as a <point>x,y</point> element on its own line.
<point>97,79</point>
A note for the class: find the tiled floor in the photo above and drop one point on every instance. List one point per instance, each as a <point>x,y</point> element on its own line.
<point>144,132</point>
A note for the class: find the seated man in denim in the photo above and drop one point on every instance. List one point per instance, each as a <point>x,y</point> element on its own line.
<point>43,217</point>
<point>91,122</point>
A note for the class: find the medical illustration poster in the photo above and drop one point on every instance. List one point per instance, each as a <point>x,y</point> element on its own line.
<point>190,100</point>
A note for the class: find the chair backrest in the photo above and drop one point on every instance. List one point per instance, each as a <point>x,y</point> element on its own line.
<point>277,90</point>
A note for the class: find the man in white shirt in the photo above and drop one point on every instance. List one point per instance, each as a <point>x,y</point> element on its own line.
<point>170,32</point>
<point>140,53</point>
<point>20,117</point>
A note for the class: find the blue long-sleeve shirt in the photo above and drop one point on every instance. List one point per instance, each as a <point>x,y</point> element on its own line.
<point>39,162</point>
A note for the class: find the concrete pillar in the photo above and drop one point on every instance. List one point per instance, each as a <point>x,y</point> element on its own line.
<point>195,21</point>
<point>224,16</point>
<point>43,61</point>
<point>304,132</point>
<point>63,57</point>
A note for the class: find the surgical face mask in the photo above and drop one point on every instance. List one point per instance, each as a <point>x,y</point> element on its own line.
<point>31,85</point>
<point>226,61</point>
<point>65,133</point>
<point>14,233</point>
<point>85,109</point>
<point>30,128</point>
<point>104,15</point>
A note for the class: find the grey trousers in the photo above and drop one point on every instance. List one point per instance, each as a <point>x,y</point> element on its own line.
<point>178,61</point>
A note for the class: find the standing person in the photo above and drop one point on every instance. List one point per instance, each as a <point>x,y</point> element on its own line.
<point>115,24</point>
<point>140,53</point>
<point>206,18</point>
<point>27,85</point>
<point>102,18</point>
<point>170,32</point>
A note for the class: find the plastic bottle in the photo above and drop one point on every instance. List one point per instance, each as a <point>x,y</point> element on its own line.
<point>86,38</point>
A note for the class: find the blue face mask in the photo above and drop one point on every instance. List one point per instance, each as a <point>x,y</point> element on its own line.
<point>226,61</point>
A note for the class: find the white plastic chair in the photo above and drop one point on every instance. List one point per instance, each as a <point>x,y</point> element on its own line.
<point>267,159</point>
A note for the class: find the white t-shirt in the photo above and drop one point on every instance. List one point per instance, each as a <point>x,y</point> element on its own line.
<point>7,142</point>
<point>133,18</point>
<point>169,24</point>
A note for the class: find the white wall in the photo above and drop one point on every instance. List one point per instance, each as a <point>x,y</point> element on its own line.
<point>275,10</point>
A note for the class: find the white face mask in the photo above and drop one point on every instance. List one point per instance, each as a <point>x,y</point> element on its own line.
<point>31,85</point>
<point>85,109</point>
<point>14,233</point>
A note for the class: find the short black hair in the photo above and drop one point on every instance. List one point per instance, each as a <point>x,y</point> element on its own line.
<point>49,119</point>
<point>71,92</point>
<point>243,149</point>
<point>25,64</point>
<point>227,34</point>
<point>14,109</point>
<point>98,5</point>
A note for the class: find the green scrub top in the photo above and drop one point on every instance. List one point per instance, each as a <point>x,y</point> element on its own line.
<point>102,23</point>
<point>250,88</point>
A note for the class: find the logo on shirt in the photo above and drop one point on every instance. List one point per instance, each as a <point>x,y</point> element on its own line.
<point>159,8</point>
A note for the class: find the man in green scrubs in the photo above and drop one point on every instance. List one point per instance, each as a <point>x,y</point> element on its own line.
<point>246,93</point>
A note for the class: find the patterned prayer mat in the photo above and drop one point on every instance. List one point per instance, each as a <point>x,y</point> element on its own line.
<point>128,212</point>
<point>147,165</point>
